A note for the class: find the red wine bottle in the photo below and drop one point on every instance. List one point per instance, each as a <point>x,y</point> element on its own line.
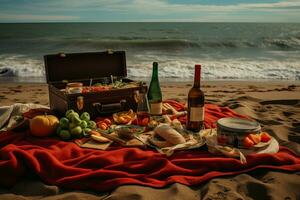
<point>195,114</point>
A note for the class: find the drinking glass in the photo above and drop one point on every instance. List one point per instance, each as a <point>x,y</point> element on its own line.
<point>143,109</point>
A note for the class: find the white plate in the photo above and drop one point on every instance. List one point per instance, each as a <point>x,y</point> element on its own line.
<point>263,144</point>
<point>271,147</point>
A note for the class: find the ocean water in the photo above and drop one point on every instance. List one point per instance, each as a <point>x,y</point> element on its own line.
<point>239,51</point>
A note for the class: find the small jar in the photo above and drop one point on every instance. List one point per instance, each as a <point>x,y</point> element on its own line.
<point>74,88</point>
<point>232,131</point>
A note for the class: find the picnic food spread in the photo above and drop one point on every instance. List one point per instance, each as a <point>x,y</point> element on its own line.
<point>142,119</point>
<point>129,145</point>
<point>77,87</point>
<point>164,126</point>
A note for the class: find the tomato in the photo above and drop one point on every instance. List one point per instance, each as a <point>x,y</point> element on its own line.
<point>248,143</point>
<point>255,138</point>
<point>85,90</point>
<point>145,121</point>
<point>102,125</point>
<point>97,89</point>
<point>107,121</point>
<point>265,137</point>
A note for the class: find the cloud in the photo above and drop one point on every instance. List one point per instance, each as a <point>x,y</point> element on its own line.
<point>147,10</point>
<point>29,17</point>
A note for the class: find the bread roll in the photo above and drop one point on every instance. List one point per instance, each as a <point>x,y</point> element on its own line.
<point>169,134</point>
<point>161,144</point>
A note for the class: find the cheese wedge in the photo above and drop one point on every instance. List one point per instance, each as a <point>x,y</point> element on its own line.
<point>100,139</point>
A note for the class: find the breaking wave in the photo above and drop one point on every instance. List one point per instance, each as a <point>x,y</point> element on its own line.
<point>177,68</point>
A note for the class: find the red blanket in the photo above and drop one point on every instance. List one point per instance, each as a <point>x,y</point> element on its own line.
<point>67,165</point>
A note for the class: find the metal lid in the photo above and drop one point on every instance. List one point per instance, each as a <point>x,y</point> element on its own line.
<point>237,125</point>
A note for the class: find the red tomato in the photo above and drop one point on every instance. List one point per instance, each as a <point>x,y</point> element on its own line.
<point>85,90</point>
<point>107,121</point>
<point>265,137</point>
<point>255,138</point>
<point>102,126</point>
<point>145,121</point>
<point>248,143</point>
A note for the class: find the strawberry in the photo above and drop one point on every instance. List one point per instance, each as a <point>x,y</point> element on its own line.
<point>265,137</point>
<point>247,142</point>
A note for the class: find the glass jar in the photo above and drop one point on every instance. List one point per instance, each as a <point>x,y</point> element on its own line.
<point>74,88</point>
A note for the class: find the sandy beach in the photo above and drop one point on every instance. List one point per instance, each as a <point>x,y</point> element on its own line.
<point>276,105</point>
<point>218,92</point>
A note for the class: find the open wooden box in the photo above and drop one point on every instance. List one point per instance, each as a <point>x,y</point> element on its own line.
<point>82,67</point>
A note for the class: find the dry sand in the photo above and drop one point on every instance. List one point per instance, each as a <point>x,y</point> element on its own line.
<point>276,105</point>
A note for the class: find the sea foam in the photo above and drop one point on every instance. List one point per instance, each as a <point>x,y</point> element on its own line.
<point>177,68</point>
<point>22,66</point>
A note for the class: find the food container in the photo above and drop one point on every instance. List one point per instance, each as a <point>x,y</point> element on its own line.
<point>73,88</point>
<point>85,68</point>
<point>232,131</point>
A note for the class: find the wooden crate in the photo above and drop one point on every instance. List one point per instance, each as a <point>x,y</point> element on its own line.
<point>81,67</point>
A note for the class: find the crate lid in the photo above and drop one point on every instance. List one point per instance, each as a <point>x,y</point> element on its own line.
<point>80,66</point>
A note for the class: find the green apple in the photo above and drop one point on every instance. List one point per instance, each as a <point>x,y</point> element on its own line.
<point>76,132</point>
<point>64,122</point>
<point>91,124</point>
<point>58,130</point>
<point>76,120</point>
<point>71,115</point>
<point>83,124</point>
<point>64,135</point>
<point>69,111</point>
<point>85,116</point>
<point>86,132</point>
<point>72,125</point>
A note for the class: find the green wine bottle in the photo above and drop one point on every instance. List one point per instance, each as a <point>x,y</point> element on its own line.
<point>154,92</point>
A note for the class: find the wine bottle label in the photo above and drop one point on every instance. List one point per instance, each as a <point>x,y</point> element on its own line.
<point>197,114</point>
<point>156,108</point>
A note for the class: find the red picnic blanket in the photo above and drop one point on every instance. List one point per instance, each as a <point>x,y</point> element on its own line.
<point>67,165</point>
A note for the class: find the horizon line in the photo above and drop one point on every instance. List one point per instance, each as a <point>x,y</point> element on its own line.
<point>142,22</point>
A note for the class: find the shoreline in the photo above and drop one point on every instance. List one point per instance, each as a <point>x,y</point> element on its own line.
<point>42,80</point>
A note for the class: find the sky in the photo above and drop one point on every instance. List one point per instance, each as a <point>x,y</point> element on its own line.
<point>149,11</point>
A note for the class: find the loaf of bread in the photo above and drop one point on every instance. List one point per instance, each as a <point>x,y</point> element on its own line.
<point>169,134</point>
<point>160,144</point>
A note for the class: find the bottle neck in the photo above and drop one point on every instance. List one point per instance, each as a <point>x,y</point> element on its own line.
<point>155,72</point>
<point>197,76</point>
